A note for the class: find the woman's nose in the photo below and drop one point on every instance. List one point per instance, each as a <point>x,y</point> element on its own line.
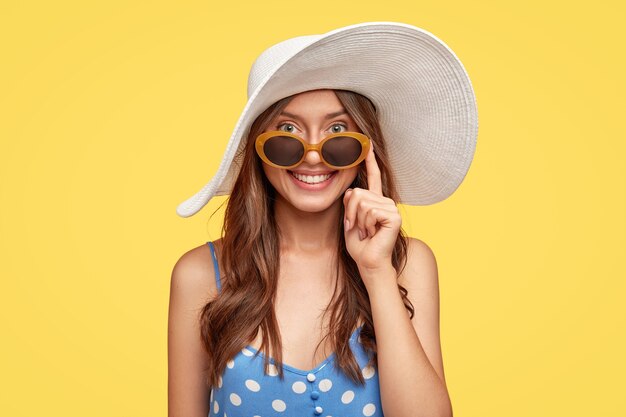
<point>312,157</point>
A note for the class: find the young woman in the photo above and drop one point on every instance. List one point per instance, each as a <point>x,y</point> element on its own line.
<point>314,302</point>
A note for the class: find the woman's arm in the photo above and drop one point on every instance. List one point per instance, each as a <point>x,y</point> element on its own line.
<point>410,366</point>
<point>410,369</point>
<point>192,286</point>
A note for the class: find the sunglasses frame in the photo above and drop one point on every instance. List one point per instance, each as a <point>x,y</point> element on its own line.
<point>264,137</point>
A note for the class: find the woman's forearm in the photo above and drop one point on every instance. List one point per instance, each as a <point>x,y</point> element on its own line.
<point>409,385</point>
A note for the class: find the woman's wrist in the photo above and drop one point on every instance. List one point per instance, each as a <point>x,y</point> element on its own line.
<point>383,275</point>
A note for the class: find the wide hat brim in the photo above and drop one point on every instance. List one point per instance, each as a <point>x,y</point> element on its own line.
<point>422,93</point>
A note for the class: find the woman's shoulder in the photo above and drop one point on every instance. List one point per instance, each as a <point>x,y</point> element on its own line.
<point>421,264</point>
<point>418,248</point>
<point>193,275</point>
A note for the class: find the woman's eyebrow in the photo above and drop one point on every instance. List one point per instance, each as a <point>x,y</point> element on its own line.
<point>328,116</point>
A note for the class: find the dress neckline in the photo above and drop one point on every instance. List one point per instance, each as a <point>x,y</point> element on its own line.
<point>299,371</point>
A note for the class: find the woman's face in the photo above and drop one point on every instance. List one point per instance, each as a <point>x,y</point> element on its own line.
<point>312,115</point>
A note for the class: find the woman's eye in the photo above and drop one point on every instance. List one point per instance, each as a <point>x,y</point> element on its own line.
<point>336,128</point>
<point>288,125</point>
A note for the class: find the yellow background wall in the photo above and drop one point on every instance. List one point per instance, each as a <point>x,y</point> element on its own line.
<point>112,113</point>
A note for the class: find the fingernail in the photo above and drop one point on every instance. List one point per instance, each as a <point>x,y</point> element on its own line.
<point>361,235</point>
<point>346,224</point>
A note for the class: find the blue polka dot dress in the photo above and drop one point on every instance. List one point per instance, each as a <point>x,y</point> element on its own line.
<point>245,390</point>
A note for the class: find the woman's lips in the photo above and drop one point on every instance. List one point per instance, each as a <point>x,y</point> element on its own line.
<point>312,187</point>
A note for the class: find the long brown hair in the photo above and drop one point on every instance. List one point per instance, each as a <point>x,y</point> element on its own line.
<point>250,261</point>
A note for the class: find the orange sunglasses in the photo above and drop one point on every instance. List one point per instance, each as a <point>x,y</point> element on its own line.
<point>286,150</point>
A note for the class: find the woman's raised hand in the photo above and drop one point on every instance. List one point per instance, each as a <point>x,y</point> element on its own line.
<point>372,221</point>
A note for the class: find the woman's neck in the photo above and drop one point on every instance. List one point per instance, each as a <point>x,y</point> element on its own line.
<point>311,232</point>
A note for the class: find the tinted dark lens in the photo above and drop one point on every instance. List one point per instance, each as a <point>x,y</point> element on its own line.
<point>283,150</point>
<point>341,150</point>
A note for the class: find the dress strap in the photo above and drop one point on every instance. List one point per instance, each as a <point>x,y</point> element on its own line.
<point>215,267</point>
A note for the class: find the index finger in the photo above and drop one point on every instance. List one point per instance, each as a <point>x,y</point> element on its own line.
<point>374,182</point>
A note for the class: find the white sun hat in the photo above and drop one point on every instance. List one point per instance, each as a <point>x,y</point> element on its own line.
<point>423,96</point>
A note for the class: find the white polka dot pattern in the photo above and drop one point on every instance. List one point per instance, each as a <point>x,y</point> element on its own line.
<point>325,385</point>
<point>272,370</point>
<point>246,390</point>
<point>252,385</point>
<point>235,399</point>
<point>298,387</point>
<point>347,397</point>
<point>279,405</point>
<point>368,372</point>
<point>369,409</point>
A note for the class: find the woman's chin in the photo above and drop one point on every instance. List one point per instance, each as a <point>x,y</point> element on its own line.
<point>310,204</point>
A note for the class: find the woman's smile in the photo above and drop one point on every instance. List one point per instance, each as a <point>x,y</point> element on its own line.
<point>312,182</point>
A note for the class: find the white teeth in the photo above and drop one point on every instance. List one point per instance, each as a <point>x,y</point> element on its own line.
<point>311,179</point>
